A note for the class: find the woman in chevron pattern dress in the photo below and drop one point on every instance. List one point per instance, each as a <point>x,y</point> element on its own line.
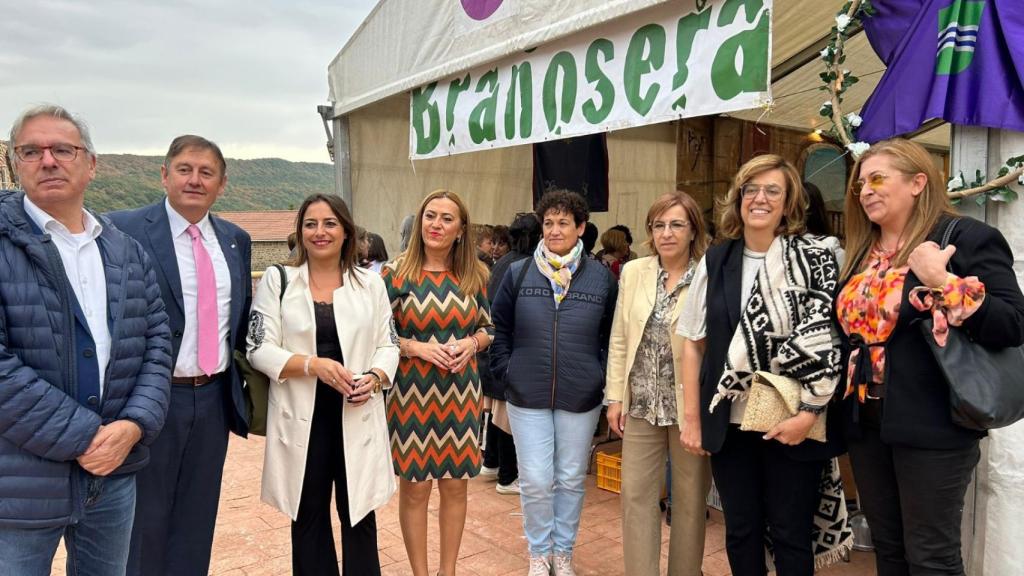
<point>437,292</point>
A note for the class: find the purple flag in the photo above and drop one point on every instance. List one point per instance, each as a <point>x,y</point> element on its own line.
<point>959,60</point>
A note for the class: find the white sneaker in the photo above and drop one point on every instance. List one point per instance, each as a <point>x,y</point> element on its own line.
<point>508,489</point>
<point>487,472</point>
<point>563,565</point>
<point>539,566</point>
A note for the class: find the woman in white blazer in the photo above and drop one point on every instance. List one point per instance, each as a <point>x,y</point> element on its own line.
<point>644,401</point>
<point>328,347</point>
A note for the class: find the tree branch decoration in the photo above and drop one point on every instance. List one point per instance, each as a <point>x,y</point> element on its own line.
<point>838,80</point>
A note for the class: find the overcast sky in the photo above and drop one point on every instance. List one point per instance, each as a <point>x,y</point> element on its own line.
<point>246,74</point>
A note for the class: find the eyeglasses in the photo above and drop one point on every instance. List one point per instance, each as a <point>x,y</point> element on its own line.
<point>874,182</point>
<point>752,190</point>
<point>675,226</point>
<point>60,152</point>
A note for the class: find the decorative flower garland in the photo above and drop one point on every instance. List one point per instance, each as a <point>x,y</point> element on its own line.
<point>844,128</point>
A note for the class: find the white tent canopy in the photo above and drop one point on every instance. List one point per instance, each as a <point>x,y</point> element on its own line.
<point>404,44</point>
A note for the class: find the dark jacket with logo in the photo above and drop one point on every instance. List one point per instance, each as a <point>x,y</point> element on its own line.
<point>550,357</point>
<point>43,427</point>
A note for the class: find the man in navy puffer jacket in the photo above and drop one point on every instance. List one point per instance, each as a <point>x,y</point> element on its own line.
<point>84,360</point>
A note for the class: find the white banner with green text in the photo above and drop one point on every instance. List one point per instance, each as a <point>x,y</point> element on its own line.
<point>681,59</point>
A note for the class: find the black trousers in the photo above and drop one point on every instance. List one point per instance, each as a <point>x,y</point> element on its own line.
<point>313,551</point>
<point>501,454</point>
<point>179,490</point>
<point>913,500</point>
<point>762,487</point>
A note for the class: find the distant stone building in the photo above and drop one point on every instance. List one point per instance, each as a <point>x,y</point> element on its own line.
<point>269,230</point>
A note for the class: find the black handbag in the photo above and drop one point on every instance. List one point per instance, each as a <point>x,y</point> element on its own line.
<point>986,385</point>
<point>257,384</point>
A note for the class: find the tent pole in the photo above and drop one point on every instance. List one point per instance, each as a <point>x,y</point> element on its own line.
<point>342,161</point>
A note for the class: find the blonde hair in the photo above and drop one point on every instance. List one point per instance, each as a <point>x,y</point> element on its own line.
<point>462,260</point>
<point>699,242</point>
<point>794,213</point>
<point>910,159</point>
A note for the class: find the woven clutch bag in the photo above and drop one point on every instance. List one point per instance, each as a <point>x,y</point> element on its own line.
<point>772,399</point>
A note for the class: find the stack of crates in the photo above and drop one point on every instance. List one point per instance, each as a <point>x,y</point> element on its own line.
<point>609,471</point>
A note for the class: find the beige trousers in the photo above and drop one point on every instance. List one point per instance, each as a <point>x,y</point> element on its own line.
<point>644,450</point>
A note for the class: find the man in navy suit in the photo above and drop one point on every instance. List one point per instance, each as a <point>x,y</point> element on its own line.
<point>203,268</point>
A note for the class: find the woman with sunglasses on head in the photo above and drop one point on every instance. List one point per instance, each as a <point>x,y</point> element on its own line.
<point>760,301</point>
<point>438,294</point>
<point>645,405</point>
<point>912,463</point>
<point>322,333</point>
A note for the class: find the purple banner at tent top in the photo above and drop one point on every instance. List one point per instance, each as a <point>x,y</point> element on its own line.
<point>978,82</point>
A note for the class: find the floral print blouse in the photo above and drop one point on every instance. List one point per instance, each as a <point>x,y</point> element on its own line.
<point>868,308</point>
<point>652,377</point>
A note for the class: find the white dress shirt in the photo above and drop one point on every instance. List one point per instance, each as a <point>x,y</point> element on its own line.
<point>83,267</point>
<point>188,355</point>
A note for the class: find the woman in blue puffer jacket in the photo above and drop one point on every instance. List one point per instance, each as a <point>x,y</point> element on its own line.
<point>552,316</point>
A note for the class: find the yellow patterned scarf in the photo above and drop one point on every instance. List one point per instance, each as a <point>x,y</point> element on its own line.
<point>558,269</point>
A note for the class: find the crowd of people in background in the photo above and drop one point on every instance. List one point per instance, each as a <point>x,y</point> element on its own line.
<point>492,351</point>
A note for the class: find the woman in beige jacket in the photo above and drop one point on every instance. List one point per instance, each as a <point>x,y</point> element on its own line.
<point>328,347</point>
<point>644,400</point>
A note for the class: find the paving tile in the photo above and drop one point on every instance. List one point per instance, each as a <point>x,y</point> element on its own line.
<point>254,539</point>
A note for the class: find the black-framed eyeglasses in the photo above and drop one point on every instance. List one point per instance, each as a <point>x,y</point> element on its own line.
<point>752,190</point>
<point>675,226</point>
<point>60,152</point>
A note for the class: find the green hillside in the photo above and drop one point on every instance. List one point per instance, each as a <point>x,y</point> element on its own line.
<point>128,181</point>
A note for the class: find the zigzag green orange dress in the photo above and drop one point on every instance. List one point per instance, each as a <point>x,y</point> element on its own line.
<point>434,414</point>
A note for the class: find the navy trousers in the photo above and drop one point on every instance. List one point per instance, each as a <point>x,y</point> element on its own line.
<point>178,492</point>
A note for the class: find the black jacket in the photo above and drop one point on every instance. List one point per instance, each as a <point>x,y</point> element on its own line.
<point>725,275</point>
<point>495,387</point>
<point>553,358</point>
<point>916,409</point>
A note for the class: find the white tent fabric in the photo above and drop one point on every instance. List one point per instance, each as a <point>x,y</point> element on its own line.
<point>997,536</point>
<point>408,43</point>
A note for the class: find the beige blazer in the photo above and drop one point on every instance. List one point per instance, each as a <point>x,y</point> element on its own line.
<point>637,292</point>
<point>282,329</point>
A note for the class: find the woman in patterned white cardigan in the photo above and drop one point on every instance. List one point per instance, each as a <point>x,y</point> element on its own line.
<point>761,301</point>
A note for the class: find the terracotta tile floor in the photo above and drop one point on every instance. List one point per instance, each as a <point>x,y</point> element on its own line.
<point>253,539</point>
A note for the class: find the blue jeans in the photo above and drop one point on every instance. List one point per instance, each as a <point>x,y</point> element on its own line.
<point>553,449</point>
<point>97,545</point>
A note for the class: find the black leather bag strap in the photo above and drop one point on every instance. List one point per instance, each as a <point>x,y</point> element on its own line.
<point>949,232</point>
<point>284,281</point>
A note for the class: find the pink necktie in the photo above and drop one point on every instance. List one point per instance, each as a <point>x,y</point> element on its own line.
<point>206,304</point>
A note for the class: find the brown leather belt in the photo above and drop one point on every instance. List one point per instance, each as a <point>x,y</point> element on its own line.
<point>200,380</point>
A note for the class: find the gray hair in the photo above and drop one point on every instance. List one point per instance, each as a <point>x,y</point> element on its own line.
<point>406,231</point>
<point>52,111</point>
